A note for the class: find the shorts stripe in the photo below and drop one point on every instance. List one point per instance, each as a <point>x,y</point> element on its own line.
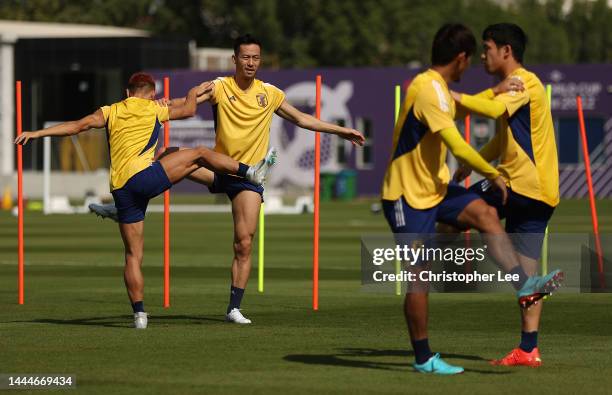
<point>399,213</point>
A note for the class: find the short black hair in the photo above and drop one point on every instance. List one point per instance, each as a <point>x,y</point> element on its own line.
<point>450,40</point>
<point>507,34</point>
<point>245,39</point>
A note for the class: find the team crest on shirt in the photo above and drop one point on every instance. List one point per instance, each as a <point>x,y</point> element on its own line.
<point>262,100</point>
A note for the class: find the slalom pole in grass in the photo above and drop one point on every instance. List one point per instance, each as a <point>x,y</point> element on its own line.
<point>166,209</point>
<point>260,261</point>
<point>545,243</point>
<point>468,139</point>
<point>20,269</point>
<point>587,166</point>
<point>317,171</point>
<point>398,264</point>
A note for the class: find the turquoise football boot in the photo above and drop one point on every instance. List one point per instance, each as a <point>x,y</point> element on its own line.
<point>437,365</point>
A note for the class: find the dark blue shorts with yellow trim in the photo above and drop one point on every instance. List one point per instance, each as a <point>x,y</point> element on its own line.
<point>526,218</point>
<point>133,198</point>
<point>232,186</point>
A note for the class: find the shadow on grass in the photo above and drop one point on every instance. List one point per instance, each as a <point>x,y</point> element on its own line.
<point>345,357</point>
<point>123,321</point>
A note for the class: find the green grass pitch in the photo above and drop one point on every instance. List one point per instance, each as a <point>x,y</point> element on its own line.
<point>77,318</point>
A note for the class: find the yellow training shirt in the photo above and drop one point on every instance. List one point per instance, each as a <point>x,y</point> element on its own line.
<point>132,128</point>
<point>243,118</point>
<point>525,142</point>
<point>418,168</point>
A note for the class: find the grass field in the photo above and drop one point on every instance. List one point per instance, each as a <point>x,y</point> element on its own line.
<point>77,318</point>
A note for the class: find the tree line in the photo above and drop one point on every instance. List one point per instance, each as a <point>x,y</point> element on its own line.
<point>306,33</point>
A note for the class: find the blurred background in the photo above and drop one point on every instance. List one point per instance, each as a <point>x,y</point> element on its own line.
<point>75,56</point>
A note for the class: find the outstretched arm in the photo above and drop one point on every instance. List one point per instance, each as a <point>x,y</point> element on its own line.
<point>179,101</point>
<point>483,103</point>
<point>187,108</point>
<point>95,120</point>
<point>307,121</point>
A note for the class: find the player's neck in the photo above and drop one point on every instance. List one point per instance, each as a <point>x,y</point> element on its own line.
<point>509,68</point>
<point>445,71</point>
<point>243,82</point>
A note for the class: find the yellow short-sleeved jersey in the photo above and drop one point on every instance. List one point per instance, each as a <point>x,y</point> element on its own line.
<point>527,146</point>
<point>418,169</point>
<point>132,128</point>
<point>243,118</point>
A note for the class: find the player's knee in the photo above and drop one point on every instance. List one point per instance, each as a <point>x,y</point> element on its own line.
<point>487,219</point>
<point>203,151</point>
<point>242,247</point>
<point>133,258</point>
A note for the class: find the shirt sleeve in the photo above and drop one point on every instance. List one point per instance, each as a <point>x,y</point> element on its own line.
<point>513,100</point>
<point>277,96</point>
<point>466,154</point>
<point>432,106</point>
<point>216,91</point>
<point>487,107</point>
<point>163,113</point>
<point>105,112</point>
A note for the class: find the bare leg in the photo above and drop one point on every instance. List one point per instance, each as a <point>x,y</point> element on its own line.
<point>133,240</point>
<point>245,210</point>
<point>201,175</point>
<point>481,216</point>
<point>180,164</point>
<point>416,314</point>
<point>530,318</point>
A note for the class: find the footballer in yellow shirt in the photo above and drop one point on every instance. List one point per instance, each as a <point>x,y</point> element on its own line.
<point>243,107</point>
<point>132,127</point>
<point>525,146</point>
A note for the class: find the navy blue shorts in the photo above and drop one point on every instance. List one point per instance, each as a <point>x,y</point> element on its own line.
<point>404,219</point>
<point>526,218</point>
<point>232,186</point>
<point>133,198</point>
<point>417,227</point>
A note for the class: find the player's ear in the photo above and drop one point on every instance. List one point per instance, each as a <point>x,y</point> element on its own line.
<point>127,93</point>
<point>506,51</point>
<point>234,59</point>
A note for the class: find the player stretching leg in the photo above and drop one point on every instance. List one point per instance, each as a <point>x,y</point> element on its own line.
<point>526,147</point>
<point>132,126</point>
<point>416,191</point>
<point>244,107</point>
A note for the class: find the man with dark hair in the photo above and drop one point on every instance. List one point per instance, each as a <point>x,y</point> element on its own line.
<point>416,190</point>
<point>245,39</point>
<point>132,127</point>
<point>243,108</point>
<point>525,145</point>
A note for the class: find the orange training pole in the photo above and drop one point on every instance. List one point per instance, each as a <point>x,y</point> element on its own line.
<point>167,209</point>
<point>587,166</point>
<point>19,198</point>
<point>315,253</point>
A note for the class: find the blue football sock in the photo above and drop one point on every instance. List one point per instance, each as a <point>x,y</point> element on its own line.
<point>138,307</point>
<point>235,298</point>
<point>529,341</point>
<point>421,350</point>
